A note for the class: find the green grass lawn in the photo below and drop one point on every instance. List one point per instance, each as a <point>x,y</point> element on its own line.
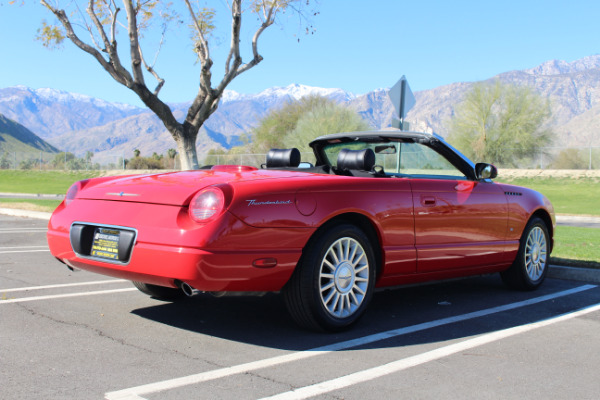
<point>44,182</point>
<point>576,246</point>
<point>569,196</point>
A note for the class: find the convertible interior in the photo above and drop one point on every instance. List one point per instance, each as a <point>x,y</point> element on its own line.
<point>359,163</point>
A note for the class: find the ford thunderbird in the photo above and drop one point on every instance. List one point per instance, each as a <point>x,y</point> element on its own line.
<point>372,210</point>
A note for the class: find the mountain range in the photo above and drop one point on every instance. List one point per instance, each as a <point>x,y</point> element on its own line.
<point>78,123</point>
<point>15,137</point>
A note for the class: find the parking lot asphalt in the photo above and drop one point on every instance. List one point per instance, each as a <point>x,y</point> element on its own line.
<point>76,335</point>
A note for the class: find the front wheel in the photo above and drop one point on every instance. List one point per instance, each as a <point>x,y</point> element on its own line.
<point>531,265</point>
<point>333,283</point>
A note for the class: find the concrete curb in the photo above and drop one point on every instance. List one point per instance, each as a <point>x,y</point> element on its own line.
<point>574,273</point>
<point>577,218</point>
<point>25,213</point>
<point>33,196</point>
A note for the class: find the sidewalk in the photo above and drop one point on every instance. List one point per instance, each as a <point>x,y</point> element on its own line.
<point>578,220</point>
<point>32,196</point>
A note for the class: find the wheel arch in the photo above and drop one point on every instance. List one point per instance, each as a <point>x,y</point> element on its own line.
<point>547,219</point>
<point>363,223</point>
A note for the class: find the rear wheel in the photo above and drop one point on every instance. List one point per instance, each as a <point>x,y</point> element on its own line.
<point>159,292</point>
<point>531,265</point>
<point>334,281</point>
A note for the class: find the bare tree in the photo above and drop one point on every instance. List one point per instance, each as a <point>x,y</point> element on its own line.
<point>101,21</point>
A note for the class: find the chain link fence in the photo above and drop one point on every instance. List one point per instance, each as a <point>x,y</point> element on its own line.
<point>254,160</point>
<point>70,162</point>
<point>582,158</point>
<point>45,161</point>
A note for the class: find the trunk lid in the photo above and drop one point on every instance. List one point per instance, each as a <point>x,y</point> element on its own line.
<point>174,188</point>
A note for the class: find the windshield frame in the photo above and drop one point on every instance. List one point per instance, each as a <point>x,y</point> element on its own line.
<point>432,140</point>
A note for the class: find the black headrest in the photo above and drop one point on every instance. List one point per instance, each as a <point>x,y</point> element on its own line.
<point>362,160</point>
<point>277,158</point>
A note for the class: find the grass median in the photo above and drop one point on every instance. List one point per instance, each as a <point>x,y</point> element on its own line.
<point>579,247</point>
<point>40,182</point>
<point>568,195</point>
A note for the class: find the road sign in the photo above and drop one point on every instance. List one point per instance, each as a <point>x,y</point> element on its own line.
<point>403,100</point>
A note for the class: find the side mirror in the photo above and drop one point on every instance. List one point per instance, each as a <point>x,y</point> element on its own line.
<point>485,171</point>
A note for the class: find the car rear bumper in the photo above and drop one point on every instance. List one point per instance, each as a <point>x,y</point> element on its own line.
<point>226,256</point>
<point>203,270</point>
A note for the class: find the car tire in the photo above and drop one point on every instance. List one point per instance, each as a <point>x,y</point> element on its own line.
<point>159,292</point>
<point>334,280</point>
<point>531,265</point>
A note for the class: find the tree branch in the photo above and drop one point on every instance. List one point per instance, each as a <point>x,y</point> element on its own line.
<point>269,20</point>
<point>150,68</point>
<point>109,46</point>
<point>90,30</point>
<point>99,27</point>
<point>121,75</point>
<point>203,53</point>
<point>134,45</point>
<point>113,25</point>
<point>234,51</point>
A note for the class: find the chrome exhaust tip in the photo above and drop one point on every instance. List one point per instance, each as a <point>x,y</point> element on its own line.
<point>188,290</point>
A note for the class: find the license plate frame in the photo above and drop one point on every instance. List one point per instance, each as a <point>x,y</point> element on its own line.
<point>105,245</point>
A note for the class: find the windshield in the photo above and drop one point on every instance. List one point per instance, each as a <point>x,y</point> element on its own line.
<point>399,158</point>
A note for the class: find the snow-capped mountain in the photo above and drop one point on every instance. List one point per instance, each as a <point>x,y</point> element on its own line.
<point>51,112</point>
<point>557,67</point>
<point>293,92</point>
<point>79,123</point>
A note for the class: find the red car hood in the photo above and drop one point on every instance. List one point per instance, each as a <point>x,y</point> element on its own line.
<point>175,188</point>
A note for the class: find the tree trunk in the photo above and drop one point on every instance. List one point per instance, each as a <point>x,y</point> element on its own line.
<point>186,147</point>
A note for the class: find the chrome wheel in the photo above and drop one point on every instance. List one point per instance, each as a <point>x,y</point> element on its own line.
<point>529,269</point>
<point>344,277</point>
<point>535,253</point>
<point>334,281</point>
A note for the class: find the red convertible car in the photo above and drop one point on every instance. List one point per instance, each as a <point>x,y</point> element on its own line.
<point>376,209</point>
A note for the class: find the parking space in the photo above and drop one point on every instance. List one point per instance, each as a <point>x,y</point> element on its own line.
<point>76,335</point>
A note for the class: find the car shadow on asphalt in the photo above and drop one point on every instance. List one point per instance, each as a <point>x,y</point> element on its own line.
<point>264,321</point>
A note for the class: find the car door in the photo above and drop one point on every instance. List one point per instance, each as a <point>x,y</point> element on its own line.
<point>459,223</point>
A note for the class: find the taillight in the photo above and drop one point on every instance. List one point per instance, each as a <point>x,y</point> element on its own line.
<point>207,205</point>
<point>72,192</point>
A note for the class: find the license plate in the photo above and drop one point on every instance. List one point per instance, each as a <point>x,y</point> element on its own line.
<point>106,244</point>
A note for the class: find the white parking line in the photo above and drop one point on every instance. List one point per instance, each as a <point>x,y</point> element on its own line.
<point>24,251</point>
<point>135,393</point>
<point>405,363</point>
<point>62,296</point>
<point>24,247</point>
<point>61,285</point>
<point>23,230</point>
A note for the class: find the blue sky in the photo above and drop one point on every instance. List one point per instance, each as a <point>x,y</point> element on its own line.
<point>358,46</point>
